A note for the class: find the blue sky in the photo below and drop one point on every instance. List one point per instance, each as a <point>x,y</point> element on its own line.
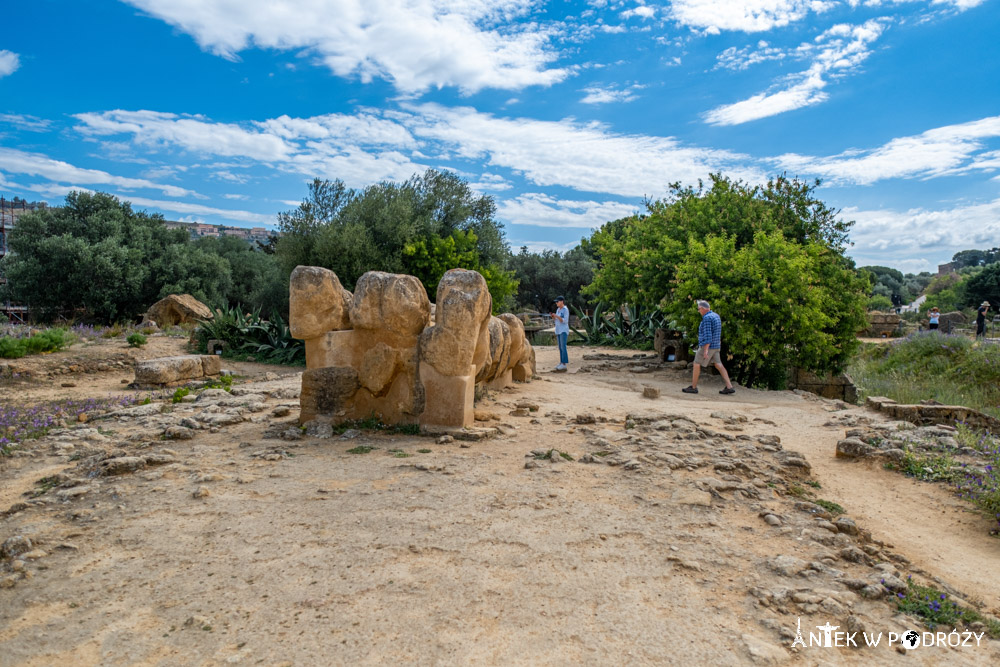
<point>569,113</point>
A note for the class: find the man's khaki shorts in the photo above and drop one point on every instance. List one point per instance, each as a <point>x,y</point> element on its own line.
<point>714,357</point>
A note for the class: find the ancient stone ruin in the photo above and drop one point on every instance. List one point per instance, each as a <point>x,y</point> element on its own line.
<point>881,325</point>
<point>385,350</point>
<point>177,309</point>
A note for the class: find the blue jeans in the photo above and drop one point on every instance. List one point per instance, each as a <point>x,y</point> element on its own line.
<point>563,354</point>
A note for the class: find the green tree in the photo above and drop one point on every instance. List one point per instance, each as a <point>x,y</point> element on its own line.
<point>771,259</point>
<point>966,258</point>
<point>396,227</point>
<point>98,257</point>
<point>255,277</point>
<point>983,286</point>
<point>548,274</point>
<point>782,304</point>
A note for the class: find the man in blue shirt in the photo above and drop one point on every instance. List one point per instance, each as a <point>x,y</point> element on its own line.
<point>709,349</point>
<point>561,319</point>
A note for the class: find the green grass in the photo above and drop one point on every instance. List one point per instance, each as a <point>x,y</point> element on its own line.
<point>224,382</point>
<point>179,394</point>
<point>49,340</point>
<point>829,506</point>
<point>935,608</point>
<point>953,370</point>
<point>136,340</point>
<point>552,454</point>
<point>927,467</point>
<point>360,449</point>
<point>374,423</point>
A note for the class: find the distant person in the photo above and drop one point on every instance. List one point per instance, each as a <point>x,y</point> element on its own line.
<point>981,319</point>
<point>709,349</point>
<point>933,318</point>
<point>561,320</point>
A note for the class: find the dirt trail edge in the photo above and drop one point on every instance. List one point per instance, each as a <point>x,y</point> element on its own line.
<point>596,527</point>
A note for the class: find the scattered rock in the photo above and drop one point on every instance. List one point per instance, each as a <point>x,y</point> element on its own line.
<point>852,448</point>
<point>690,496</point>
<point>787,566</point>
<point>650,392</point>
<point>15,546</point>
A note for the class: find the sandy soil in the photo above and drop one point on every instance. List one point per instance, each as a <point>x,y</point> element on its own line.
<point>244,548</point>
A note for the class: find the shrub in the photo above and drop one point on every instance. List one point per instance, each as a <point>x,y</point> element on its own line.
<point>935,608</point>
<point>136,340</point>
<point>930,365</point>
<point>268,340</point>
<point>630,326</point>
<point>981,485</point>
<point>49,340</point>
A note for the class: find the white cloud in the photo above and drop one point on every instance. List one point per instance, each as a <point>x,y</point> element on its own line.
<point>193,133</point>
<point>604,95</point>
<point>419,44</point>
<point>947,150</point>
<point>539,246</point>
<point>199,210</point>
<point>494,182</point>
<point>806,92</point>
<point>9,62</point>
<point>14,161</point>
<point>922,234</point>
<point>25,122</point>
<point>358,149</point>
<point>642,11</point>
<point>835,53</point>
<point>541,210</point>
<point>714,16</point>
<point>586,157</point>
<point>583,156</point>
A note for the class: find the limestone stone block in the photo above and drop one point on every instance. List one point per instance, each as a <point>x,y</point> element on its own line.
<point>178,309</point>
<point>462,314</point>
<point>448,398</point>
<point>348,348</point>
<point>853,448</point>
<point>378,368</point>
<point>392,302</point>
<point>501,380</point>
<point>317,302</point>
<point>166,370</point>
<point>211,364</point>
<point>401,402</point>
<point>500,348</point>
<point>518,341</point>
<point>521,372</point>
<point>325,392</point>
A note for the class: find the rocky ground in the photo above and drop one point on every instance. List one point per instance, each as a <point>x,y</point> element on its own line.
<point>611,519</point>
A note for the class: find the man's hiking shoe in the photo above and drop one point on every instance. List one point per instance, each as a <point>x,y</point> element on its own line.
<point>690,390</point>
<point>728,390</point>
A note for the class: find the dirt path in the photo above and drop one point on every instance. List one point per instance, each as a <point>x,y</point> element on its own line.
<point>240,547</point>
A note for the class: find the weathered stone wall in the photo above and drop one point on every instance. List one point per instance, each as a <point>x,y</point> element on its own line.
<point>168,371</point>
<point>668,343</point>
<point>828,386</point>
<point>881,325</point>
<point>387,350</point>
<point>933,414</point>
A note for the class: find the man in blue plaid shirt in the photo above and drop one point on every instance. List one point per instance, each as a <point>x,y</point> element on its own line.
<point>709,349</point>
